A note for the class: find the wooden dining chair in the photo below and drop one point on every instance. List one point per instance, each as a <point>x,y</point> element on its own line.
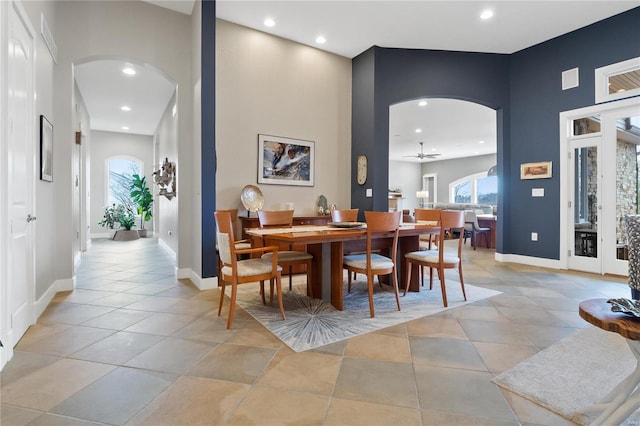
<point>427,240</point>
<point>344,215</point>
<point>441,258</point>
<point>239,243</point>
<point>370,263</point>
<point>286,258</point>
<point>235,271</point>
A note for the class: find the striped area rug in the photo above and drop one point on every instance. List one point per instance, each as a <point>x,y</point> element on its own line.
<point>312,323</point>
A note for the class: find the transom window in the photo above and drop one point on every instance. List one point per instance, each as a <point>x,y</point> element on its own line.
<point>477,188</point>
<point>120,171</point>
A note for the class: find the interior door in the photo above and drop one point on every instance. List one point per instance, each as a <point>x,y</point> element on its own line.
<point>585,182</point>
<point>21,172</point>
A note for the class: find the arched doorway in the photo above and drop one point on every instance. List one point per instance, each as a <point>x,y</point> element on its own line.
<point>444,138</point>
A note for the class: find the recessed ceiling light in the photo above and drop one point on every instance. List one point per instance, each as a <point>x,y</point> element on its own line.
<point>434,149</point>
<point>124,128</point>
<point>321,40</point>
<point>125,108</point>
<point>621,90</point>
<point>422,103</point>
<point>418,130</point>
<point>129,71</point>
<point>486,14</point>
<point>269,22</point>
<point>481,142</point>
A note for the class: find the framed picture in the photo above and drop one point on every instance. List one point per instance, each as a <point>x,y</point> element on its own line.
<point>46,149</point>
<point>535,170</point>
<point>285,161</point>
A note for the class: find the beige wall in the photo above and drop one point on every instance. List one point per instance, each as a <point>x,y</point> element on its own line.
<point>269,85</point>
<point>165,137</point>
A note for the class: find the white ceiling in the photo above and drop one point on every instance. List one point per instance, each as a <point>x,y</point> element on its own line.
<point>450,127</point>
<point>350,28</point>
<point>105,89</point>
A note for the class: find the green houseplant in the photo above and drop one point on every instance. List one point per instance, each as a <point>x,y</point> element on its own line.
<point>110,217</point>
<point>141,195</point>
<point>127,220</point>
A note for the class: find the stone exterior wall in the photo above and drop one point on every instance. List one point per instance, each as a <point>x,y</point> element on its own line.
<point>626,186</point>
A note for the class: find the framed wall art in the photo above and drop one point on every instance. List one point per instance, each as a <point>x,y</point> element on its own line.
<point>535,170</point>
<point>46,149</point>
<point>285,161</point>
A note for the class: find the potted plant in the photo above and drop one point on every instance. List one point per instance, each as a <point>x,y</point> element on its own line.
<point>141,195</point>
<point>127,221</point>
<point>110,218</point>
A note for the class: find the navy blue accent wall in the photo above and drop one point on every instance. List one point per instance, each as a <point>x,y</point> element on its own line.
<point>537,99</point>
<point>525,90</point>
<point>208,149</point>
<point>362,118</point>
<point>402,74</point>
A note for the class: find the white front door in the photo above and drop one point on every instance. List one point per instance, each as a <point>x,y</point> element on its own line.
<point>621,129</point>
<point>22,139</point>
<point>601,184</point>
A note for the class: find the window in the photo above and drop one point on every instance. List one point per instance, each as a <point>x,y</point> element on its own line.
<point>120,171</point>
<point>478,188</point>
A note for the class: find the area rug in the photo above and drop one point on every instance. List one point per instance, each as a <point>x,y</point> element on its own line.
<point>312,323</point>
<point>576,372</point>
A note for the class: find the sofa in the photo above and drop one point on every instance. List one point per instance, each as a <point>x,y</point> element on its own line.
<point>486,208</point>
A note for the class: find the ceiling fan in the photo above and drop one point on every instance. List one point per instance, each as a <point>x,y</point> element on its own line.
<point>421,154</point>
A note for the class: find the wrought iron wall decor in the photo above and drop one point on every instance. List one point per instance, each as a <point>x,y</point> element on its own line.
<point>166,179</point>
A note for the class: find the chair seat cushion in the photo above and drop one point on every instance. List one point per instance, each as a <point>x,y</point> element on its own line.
<point>360,261</point>
<point>250,267</point>
<point>431,256</point>
<point>243,246</point>
<point>288,256</point>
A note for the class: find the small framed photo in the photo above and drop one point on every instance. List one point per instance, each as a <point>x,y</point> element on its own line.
<point>540,170</point>
<point>46,149</point>
<point>285,161</point>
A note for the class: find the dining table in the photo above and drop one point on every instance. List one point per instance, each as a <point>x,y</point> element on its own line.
<point>328,244</point>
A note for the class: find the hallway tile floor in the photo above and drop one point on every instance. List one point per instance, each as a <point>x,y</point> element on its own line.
<point>132,345</point>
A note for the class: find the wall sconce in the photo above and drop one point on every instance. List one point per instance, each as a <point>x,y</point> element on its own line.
<point>422,195</point>
<point>166,179</point>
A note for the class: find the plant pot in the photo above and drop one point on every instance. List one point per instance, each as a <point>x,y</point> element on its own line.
<point>143,233</point>
<point>124,235</point>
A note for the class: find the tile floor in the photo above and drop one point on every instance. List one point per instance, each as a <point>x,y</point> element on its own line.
<point>134,345</point>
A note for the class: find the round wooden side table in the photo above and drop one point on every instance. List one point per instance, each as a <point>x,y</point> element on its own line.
<point>624,399</point>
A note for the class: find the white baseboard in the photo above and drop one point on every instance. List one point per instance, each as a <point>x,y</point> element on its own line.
<point>168,249</point>
<point>41,304</point>
<point>529,260</point>
<point>100,235</point>
<point>6,352</point>
<point>201,283</point>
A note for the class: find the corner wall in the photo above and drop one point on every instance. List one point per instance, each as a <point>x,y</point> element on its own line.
<point>269,85</point>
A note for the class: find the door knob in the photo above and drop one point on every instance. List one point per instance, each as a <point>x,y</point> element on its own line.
<point>30,218</point>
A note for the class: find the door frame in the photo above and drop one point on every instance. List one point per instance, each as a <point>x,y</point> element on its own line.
<point>565,127</point>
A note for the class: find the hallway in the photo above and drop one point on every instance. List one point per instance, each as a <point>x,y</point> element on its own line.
<point>134,345</point>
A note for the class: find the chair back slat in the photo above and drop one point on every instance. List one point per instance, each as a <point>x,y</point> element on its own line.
<point>345,215</point>
<point>428,215</point>
<point>224,234</point>
<point>275,218</point>
<point>382,221</point>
